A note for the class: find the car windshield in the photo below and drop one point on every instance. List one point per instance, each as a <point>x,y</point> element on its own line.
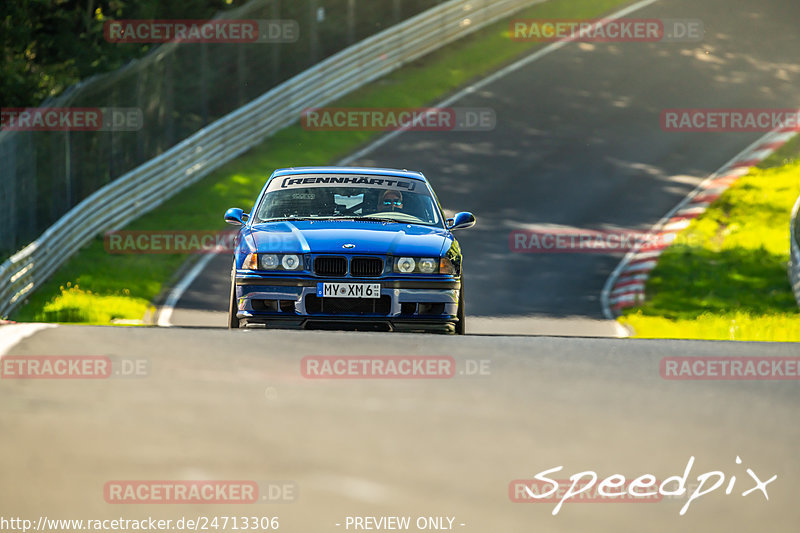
<point>321,197</point>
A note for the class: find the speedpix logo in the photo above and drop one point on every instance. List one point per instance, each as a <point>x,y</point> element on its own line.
<point>645,487</point>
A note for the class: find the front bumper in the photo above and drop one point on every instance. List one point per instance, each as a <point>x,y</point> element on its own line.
<point>405,304</point>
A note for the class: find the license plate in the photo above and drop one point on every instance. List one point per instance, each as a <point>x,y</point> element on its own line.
<point>348,290</point>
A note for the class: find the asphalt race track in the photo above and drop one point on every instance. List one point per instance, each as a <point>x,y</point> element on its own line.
<point>218,406</point>
<point>577,144</point>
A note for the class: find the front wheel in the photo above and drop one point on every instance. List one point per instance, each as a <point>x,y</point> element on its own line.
<point>461,326</point>
<point>233,321</point>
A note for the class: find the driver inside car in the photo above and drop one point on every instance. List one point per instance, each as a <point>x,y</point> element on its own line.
<point>391,201</point>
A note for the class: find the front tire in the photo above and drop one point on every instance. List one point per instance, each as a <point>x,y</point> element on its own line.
<point>233,321</point>
<point>461,326</point>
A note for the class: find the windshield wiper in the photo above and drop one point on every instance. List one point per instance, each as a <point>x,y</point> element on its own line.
<point>367,219</point>
<point>329,218</point>
<point>284,219</point>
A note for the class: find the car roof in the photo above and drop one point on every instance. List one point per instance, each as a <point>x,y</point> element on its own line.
<point>413,174</point>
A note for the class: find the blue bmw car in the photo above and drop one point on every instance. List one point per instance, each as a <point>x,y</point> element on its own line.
<point>347,248</point>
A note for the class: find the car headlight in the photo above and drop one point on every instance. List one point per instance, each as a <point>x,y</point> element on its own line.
<point>427,265</point>
<point>256,261</point>
<point>268,261</point>
<point>290,262</point>
<point>409,265</point>
<point>405,265</point>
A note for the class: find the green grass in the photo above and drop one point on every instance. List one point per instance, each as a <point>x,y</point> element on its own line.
<point>134,280</point>
<point>781,327</point>
<point>727,278</point>
<point>76,305</point>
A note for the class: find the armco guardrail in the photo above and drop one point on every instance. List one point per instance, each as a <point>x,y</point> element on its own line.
<point>150,184</point>
<point>794,253</point>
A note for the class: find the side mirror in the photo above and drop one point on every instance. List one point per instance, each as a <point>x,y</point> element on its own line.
<point>236,216</point>
<point>461,220</point>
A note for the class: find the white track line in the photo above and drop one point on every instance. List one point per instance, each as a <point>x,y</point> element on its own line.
<point>12,334</point>
<point>166,311</point>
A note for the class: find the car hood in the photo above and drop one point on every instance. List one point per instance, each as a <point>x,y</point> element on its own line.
<point>384,238</point>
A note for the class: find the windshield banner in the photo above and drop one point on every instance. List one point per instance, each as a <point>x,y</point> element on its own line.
<point>368,182</point>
